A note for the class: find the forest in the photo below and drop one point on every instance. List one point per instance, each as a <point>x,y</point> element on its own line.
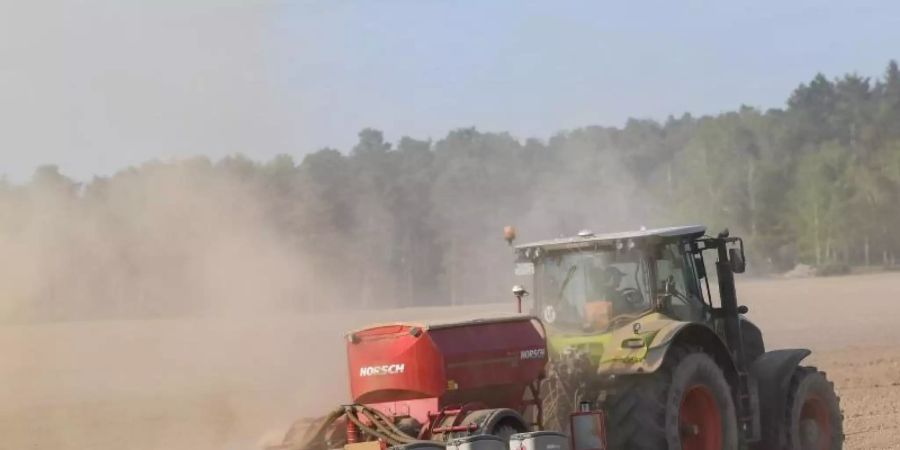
<point>419,222</point>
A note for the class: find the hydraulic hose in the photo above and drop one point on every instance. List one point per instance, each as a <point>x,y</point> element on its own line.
<point>376,426</point>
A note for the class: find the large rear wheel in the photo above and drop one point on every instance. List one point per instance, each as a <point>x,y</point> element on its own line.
<point>685,405</point>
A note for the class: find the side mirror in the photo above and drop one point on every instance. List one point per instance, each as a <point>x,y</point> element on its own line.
<point>737,260</point>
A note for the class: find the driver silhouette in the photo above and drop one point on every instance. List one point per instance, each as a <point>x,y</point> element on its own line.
<point>606,284</point>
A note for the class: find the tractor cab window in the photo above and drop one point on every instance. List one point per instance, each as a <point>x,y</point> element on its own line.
<point>675,285</point>
<point>591,290</point>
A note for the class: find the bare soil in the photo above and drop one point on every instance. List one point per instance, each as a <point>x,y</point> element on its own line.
<point>233,383</point>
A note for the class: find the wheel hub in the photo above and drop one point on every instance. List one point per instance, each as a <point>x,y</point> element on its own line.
<point>700,421</point>
<point>815,424</point>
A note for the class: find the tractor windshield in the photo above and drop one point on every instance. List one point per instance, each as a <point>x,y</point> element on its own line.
<point>590,291</point>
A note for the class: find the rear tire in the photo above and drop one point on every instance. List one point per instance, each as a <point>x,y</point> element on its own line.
<point>813,419</point>
<point>685,405</point>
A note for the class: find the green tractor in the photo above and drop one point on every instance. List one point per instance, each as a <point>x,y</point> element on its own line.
<point>635,331</point>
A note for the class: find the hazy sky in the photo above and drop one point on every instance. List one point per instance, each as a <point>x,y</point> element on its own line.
<point>94,85</point>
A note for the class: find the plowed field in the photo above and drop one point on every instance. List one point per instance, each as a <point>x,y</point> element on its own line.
<point>228,384</point>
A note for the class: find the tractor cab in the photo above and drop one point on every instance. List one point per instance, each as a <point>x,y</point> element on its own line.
<point>591,283</point>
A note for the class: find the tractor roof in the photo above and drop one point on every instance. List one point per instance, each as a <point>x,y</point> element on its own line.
<point>586,238</point>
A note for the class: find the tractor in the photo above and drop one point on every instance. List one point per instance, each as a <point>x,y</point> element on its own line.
<point>634,330</point>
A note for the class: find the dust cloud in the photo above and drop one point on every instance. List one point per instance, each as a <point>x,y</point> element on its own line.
<point>154,309</point>
<point>168,240</point>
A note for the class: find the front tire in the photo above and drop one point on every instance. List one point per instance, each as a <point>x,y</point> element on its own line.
<point>813,418</point>
<point>685,405</point>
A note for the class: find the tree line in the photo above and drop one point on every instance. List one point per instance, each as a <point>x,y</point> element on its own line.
<point>419,222</point>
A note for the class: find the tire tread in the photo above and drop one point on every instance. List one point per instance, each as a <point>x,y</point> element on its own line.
<point>800,375</point>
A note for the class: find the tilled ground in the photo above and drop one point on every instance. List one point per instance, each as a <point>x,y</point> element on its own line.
<point>868,380</point>
<point>228,384</point>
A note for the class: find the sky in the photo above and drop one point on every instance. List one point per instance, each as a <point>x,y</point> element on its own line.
<point>95,86</point>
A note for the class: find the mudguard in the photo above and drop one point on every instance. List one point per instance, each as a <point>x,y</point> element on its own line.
<point>772,372</point>
<point>659,333</point>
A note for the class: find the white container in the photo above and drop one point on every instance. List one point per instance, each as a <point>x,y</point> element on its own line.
<point>477,442</point>
<point>539,440</point>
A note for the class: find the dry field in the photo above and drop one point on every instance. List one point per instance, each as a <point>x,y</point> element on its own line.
<point>227,384</point>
